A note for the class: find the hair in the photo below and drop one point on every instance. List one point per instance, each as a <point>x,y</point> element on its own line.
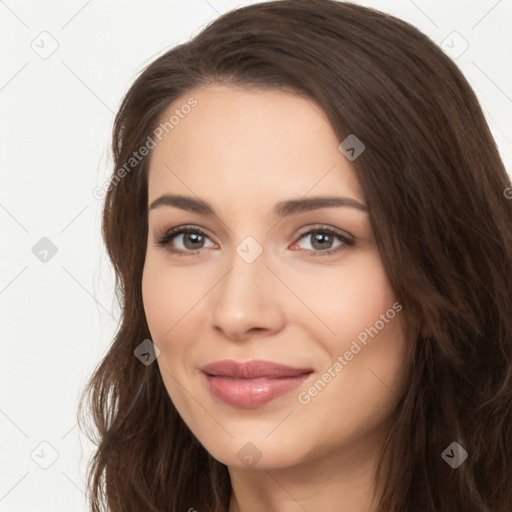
<point>434,184</point>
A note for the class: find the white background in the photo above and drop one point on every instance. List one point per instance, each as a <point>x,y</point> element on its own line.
<point>59,317</point>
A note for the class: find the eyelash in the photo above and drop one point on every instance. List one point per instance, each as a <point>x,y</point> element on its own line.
<point>173,233</point>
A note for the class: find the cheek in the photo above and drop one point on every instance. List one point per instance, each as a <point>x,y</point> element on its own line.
<point>174,303</point>
<point>167,299</point>
<point>357,304</point>
<point>168,296</point>
<point>367,318</point>
<point>345,299</point>
<point>160,301</point>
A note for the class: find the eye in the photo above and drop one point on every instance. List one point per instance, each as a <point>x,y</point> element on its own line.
<point>322,241</point>
<point>188,238</point>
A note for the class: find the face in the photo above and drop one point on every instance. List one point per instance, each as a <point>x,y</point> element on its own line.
<point>257,277</point>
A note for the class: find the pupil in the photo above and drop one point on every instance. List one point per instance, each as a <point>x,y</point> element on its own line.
<point>322,237</point>
<point>195,238</point>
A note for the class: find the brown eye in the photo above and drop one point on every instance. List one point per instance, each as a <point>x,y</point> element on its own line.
<point>186,240</point>
<point>193,240</point>
<point>321,240</point>
<point>324,241</point>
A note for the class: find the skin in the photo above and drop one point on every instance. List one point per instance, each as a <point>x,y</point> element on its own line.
<point>243,151</point>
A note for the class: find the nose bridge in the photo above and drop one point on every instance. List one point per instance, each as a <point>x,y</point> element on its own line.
<point>248,266</point>
<point>243,299</point>
<point>244,282</point>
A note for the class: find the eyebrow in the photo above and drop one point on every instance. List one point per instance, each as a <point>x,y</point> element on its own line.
<point>281,209</point>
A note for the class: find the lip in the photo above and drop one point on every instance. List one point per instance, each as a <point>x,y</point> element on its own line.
<point>252,383</point>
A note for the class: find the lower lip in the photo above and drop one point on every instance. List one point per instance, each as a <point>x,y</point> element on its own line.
<point>252,392</point>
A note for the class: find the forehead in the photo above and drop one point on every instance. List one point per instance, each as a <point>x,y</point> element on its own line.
<point>242,143</point>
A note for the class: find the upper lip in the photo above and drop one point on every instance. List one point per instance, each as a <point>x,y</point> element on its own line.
<point>252,369</point>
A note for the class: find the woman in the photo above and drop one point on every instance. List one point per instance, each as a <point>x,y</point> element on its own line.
<point>255,369</point>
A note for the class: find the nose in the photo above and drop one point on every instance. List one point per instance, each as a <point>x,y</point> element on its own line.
<point>246,303</point>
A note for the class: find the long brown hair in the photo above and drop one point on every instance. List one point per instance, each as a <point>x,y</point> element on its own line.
<point>434,184</point>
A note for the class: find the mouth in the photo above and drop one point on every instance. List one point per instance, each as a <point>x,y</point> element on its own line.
<point>252,369</point>
<point>252,384</point>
